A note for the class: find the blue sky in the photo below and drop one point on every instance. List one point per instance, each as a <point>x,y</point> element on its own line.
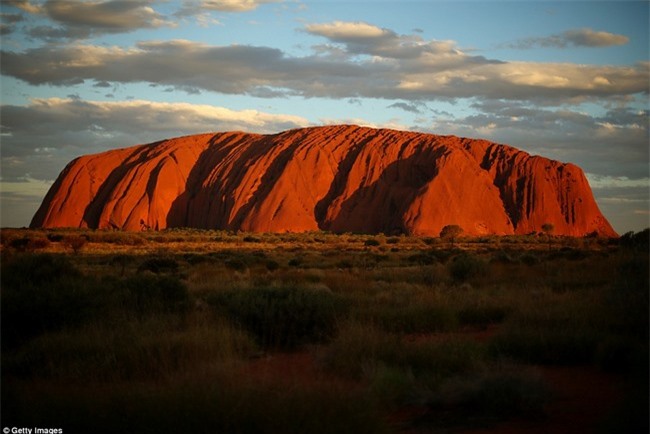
<point>567,80</point>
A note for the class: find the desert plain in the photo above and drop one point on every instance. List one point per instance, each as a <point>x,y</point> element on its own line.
<point>187,330</point>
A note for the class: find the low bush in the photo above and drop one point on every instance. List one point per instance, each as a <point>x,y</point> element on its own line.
<point>195,258</point>
<point>146,294</point>
<point>489,396</point>
<point>639,240</point>
<point>272,265</point>
<point>360,349</point>
<point>503,257</point>
<point>75,242</point>
<point>42,293</point>
<point>54,237</point>
<point>357,349</point>
<point>439,358</point>
<point>422,258</point>
<point>122,238</point>
<point>38,243</point>
<point>121,261</point>
<point>281,317</point>
<point>28,270</point>
<point>413,318</point>
<point>550,345</point>
<point>19,244</point>
<point>159,265</point>
<point>152,348</point>
<point>395,387</point>
<point>465,266</point>
<point>236,264</point>
<point>344,264</point>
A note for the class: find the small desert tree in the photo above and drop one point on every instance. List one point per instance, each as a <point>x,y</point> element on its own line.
<point>75,242</point>
<point>548,228</point>
<point>451,232</point>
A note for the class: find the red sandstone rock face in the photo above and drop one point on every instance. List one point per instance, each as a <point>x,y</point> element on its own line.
<point>337,178</point>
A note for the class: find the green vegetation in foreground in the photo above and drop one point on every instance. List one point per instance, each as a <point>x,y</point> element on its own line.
<point>160,331</point>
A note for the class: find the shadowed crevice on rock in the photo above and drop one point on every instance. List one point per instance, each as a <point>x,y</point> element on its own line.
<point>205,189</point>
<point>380,206</point>
<point>267,183</point>
<point>337,186</point>
<point>94,210</point>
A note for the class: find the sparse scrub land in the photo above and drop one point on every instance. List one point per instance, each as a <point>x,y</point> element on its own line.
<point>213,331</point>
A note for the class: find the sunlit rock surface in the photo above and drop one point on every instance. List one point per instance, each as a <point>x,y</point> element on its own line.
<point>338,178</point>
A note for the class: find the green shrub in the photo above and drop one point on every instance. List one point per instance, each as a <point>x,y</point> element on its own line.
<point>122,261</point>
<point>281,317</point>
<point>362,349</point>
<point>441,256</point>
<point>466,266</point>
<point>42,293</point>
<point>502,257</point>
<point>38,243</point>
<point>36,269</point>
<point>489,396</point>
<point>236,264</point>
<point>151,294</point>
<point>159,265</point>
<point>639,240</point>
<point>152,348</point>
<point>550,345</point>
<point>20,244</point>
<point>411,318</point>
<point>55,238</point>
<point>440,359</point>
<point>75,242</point>
<point>629,297</point>
<point>195,258</point>
<point>395,386</point>
<point>422,258</point>
<point>344,264</point>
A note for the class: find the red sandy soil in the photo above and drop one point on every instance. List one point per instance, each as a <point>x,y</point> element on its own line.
<point>581,396</point>
<point>339,178</point>
<point>290,367</point>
